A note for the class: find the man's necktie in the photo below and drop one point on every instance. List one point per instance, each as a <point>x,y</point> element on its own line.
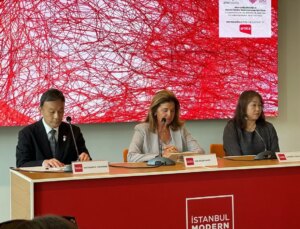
<point>53,142</point>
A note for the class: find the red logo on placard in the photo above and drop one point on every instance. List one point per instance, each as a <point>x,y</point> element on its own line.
<point>210,212</point>
<point>281,157</point>
<point>190,161</point>
<point>246,28</point>
<point>78,168</point>
<point>252,1</point>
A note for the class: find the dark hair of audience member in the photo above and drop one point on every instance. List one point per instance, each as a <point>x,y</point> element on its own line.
<point>42,222</point>
<point>12,224</point>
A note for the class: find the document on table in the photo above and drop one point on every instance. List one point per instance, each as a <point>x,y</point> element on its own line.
<point>41,169</point>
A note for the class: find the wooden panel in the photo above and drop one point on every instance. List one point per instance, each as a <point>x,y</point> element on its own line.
<point>20,197</point>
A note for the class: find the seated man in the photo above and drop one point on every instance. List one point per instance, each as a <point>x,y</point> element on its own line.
<point>49,142</point>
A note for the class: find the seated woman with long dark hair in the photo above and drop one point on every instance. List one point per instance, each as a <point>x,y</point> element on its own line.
<point>248,133</point>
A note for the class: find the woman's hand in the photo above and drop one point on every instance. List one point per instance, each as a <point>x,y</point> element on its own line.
<point>168,150</point>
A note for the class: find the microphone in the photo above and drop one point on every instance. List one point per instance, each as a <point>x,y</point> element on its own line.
<point>261,139</point>
<point>158,161</point>
<point>266,154</point>
<point>76,148</point>
<point>163,121</point>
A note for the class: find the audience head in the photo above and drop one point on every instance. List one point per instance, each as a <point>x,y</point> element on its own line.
<point>42,222</point>
<point>12,224</point>
<point>164,104</point>
<point>53,222</point>
<point>249,107</point>
<point>52,106</point>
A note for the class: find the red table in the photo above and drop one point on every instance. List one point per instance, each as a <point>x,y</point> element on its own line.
<point>265,195</point>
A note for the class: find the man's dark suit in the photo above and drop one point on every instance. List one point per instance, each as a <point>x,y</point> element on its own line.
<point>34,147</point>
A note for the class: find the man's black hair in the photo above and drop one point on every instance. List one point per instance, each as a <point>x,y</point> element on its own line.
<point>52,95</point>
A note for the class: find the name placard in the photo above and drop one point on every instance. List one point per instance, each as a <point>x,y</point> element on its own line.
<point>288,156</point>
<point>86,167</point>
<point>200,160</point>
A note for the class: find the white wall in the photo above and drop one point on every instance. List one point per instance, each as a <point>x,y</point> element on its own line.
<point>106,141</point>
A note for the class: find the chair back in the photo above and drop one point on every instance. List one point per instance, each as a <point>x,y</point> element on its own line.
<point>125,152</point>
<point>217,149</point>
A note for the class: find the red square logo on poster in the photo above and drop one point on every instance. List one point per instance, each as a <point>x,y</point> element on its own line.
<point>210,212</point>
<point>78,168</point>
<point>245,28</point>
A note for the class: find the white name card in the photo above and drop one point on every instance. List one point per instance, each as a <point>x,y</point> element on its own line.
<point>200,160</point>
<point>288,156</point>
<point>86,167</point>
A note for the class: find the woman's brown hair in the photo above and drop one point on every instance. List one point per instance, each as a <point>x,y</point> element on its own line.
<point>164,96</point>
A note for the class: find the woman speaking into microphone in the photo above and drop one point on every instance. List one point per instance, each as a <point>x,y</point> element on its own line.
<point>162,132</point>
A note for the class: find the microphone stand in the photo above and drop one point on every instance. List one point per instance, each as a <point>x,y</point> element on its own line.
<point>160,160</point>
<point>163,120</point>
<point>72,133</point>
<point>265,154</point>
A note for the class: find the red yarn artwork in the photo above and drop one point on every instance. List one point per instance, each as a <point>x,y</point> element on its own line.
<point>109,57</point>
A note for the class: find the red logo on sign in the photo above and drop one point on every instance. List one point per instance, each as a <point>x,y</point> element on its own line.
<point>78,168</point>
<point>246,28</point>
<point>210,212</point>
<point>190,161</point>
<point>281,157</point>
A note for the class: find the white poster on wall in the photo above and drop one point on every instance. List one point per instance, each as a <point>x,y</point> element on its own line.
<point>245,18</point>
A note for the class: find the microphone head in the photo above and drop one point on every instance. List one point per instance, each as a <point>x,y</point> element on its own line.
<point>68,119</point>
<point>164,120</point>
